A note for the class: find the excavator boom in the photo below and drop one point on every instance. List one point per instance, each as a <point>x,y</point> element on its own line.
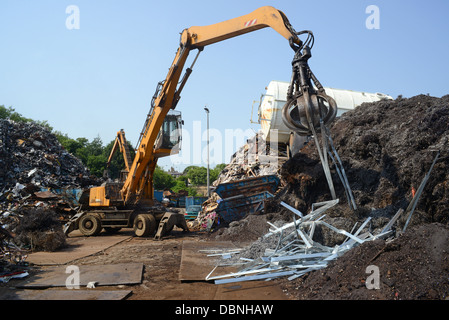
<point>138,186</point>
<point>263,17</point>
<point>116,205</point>
<point>121,144</point>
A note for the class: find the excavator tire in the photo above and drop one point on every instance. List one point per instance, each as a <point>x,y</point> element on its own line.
<point>144,225</point>
<point>89,225</point>
<point>153,224</point>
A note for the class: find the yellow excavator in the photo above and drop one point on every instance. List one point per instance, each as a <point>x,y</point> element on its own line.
<point>120,143</point>
<point>130,203</point>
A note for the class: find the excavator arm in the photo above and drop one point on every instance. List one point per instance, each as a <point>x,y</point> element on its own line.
<point>121,144</point>
<point>198,37</point>
<point>138,185</point>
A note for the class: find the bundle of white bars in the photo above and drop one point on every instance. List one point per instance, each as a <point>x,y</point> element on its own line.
<point>296,253</point>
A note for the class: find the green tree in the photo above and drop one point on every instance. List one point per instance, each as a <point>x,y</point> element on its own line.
<point>187,169</point>
<point>197,176</point>
<point>96,164</point>
<point>182,184</point>
<point>162,180</point>
<point>91,154</point>
<point>95,147</point>
<point>10,113</point>
<point>215,172</point>
<point>79,147</point>
<point>192,192</point>
<point>179,186</point>
<point>71,145</point>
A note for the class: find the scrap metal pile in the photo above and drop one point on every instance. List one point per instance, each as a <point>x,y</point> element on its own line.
<point>254,159</point>
<point>289,249</point>
<point>31,154</point>
<point>39,184</point>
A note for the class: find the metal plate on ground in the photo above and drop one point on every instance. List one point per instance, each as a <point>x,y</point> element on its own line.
<point>66,294</point>
<point>77,247</point>
<point>102,275</point>
<point>195,263</point>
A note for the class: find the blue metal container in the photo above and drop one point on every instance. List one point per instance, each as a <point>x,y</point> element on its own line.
<point>243,197</point>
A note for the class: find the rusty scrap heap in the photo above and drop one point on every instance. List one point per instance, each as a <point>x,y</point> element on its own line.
<point>39,184</point>
<point>256,158</point>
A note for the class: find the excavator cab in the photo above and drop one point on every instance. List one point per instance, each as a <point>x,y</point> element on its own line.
<point>168,141</point>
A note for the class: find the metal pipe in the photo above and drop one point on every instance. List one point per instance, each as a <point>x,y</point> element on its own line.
<point>208,176</point>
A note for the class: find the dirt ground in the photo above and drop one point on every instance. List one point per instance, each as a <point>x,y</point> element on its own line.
<point>160,280</point>
<point>412,267</point>
<point>161,272</point>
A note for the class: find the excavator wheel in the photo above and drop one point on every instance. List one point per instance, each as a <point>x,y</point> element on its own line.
<point>144,225</point>
<point>89,225</point>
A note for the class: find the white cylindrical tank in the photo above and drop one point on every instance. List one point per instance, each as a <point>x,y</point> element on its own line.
<point>272,102</point>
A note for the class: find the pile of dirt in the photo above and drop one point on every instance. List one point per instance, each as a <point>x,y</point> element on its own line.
<point>413,266</point>
<point>246,230</point>
<point>386,148</point>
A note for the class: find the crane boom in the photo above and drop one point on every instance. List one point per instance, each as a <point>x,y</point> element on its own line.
<point>138,185</point>
<point>114,205</point>
<point>263,17</point>
<point>121,144</point>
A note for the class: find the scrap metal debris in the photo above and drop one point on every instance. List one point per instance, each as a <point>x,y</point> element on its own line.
<point>13,263</point>
<point>38,179</point>
<point>295,251</point>
<point>290,249</point>
<point>255,159</point>
<point>31,156</point>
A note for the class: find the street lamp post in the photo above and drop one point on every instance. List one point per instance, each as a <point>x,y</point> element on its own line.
<point>208,180</point>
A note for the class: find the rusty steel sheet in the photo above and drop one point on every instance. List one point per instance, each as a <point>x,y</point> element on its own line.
<point>195,265</point>
<point>62,294</point>
<point>101,275</point>
<point>77,247</point>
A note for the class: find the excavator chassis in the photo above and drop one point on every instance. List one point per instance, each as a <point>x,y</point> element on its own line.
<point>144,223</point>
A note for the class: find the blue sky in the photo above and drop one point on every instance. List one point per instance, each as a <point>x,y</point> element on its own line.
<point>97,79</point>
